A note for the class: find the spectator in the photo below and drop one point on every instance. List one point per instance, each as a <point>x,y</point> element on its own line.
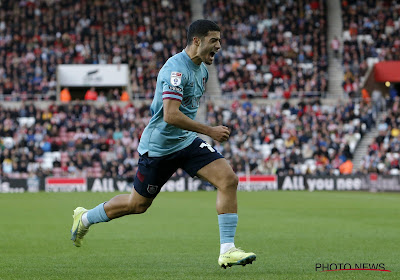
<point>65,95</point>
<point>91,94</point>
<point>365,95</point>
<point>346,168</point>
<point>102,98</point>
<point>393,93</point>
<point>335,45</point>
<point>377,100</point>
<point>125,96</point>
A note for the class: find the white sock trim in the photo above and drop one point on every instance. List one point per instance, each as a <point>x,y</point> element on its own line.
<point>225,247</point>
<point>85,220</point>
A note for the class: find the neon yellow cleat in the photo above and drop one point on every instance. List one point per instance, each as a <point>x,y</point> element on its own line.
<point>78,230</point>
<point>235,256</point>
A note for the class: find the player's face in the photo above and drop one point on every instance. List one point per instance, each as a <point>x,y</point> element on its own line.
<point>209,46</point>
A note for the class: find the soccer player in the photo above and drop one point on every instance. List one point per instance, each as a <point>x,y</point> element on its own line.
<point>170,142</point>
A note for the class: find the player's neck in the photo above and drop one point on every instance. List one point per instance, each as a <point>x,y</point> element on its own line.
<point>192,53</point>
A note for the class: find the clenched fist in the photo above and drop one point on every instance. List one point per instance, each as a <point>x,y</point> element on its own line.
<point>220,133</point>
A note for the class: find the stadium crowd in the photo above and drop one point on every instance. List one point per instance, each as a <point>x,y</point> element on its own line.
<point>85,140</point>
<point>37,35</point>
<point>384,152</point>
<point>371,31</point>
<point>71,140</point>
<point>306,138</point>
<point>273,49</point>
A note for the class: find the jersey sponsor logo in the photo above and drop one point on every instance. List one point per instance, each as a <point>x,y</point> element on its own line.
<point>152,189</point>
<point>176,78</point>
<point>191,102</point>
<point>175,88</point>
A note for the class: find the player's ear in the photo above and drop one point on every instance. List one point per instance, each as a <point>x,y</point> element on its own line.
<point>196,41</point>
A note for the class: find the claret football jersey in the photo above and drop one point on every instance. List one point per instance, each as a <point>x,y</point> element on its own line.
<point>182,80</point>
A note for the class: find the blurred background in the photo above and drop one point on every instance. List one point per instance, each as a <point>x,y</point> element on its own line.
<point>309,89</point>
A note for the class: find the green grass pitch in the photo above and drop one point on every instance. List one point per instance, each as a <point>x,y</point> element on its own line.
<point>178,238</point>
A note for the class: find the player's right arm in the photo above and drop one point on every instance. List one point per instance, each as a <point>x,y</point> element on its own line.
<point>173,116</point>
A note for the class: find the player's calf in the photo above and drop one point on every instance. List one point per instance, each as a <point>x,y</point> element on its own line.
<point>137,208</point>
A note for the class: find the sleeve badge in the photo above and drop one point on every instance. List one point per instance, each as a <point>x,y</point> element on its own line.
<point>176,78</point>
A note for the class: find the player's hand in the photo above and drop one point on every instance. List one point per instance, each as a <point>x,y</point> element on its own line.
<point>220,133</point>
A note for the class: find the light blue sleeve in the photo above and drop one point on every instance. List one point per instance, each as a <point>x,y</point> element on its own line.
<point>173,81</point>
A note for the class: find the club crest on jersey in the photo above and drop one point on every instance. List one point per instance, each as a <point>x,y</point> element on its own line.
<point>191,102</point>
<point>176,78</point>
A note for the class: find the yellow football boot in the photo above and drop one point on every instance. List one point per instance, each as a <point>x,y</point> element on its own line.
<point>235,256</point>
<point>78,230</point>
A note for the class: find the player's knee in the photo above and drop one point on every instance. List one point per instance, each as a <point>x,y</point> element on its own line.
<point>230,183</point>
<point>234,181</point>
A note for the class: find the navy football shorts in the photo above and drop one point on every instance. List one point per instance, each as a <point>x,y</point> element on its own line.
<point>154,172</point>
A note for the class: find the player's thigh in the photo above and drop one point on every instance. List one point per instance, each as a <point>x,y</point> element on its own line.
<point>205,162</point>
<point>199,155</point>
<point>219,173</point>
<point>153,173</point>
